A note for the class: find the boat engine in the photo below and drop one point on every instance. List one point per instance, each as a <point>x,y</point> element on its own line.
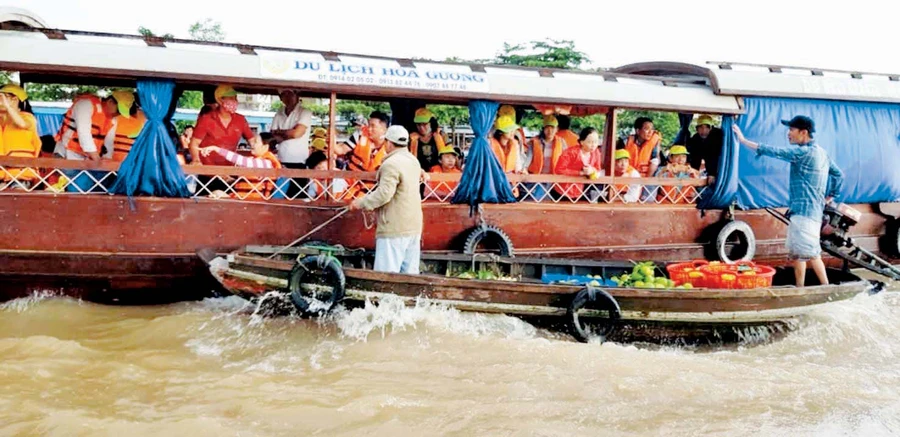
<point>836,223</point>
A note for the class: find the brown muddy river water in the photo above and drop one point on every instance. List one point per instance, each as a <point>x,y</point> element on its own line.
<point>213,368</point>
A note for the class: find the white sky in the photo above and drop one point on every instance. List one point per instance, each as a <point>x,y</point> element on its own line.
<point>858,35</point>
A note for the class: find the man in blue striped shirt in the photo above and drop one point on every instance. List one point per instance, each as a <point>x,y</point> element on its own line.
<point>815,180</point>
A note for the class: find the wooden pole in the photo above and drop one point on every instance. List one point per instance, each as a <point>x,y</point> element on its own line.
<point>609,141</point>
<point>332,140</point>
<point>332,130</point>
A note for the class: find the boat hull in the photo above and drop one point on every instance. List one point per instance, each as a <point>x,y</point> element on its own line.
<point>73,241</point>
<point>692,316</point>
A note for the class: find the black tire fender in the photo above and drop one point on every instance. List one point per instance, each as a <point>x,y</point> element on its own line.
<point>598,299</point>
<point>731,228</point>
<point>477,234</point>
<point>891,238</point>
<point>303,270</point>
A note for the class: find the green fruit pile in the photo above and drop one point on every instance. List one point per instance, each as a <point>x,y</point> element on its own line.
<point>643,275</point>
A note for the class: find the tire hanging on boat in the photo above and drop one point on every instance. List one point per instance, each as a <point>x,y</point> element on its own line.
<point>492,234</point>
<point>308,304</point>
<point>595,299</point>
<point>746,239</point>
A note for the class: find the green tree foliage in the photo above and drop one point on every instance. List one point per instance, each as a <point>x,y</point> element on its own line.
<point>207,30</point>
<point>147,32</point>
<point>191,99</point>
<point>548,54</point>
<point>448,115</point>
<point>665,122</point>
<point>348,109</point>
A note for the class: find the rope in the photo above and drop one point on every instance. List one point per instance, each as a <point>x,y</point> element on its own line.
<point>366,223</point>
<point>343,211</point>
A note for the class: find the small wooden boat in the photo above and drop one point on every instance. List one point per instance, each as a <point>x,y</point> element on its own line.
<point>315,278</point>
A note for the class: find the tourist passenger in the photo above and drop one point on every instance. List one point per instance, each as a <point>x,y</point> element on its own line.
<point>87,124</point>
<point>546,148</point>
<point>248,187</point>
<point>222,127</point>
<point>571,138</point>
<point>318,160</point>
<point>623,169</point>
<point>18,136</point>
<point>510,111</point>
<point>814,181</point>
<point>505,147</point>
<point>290,132</point>
<point>449,160</point>
<point>584,160</point>
<point>290,128</point>
<point>396,197</point>
<point>369,151</point>
<point>123,132</point>
<point>679,169</point>
<point>705,147</point>
<point>643,147</point>
<point>425,143</point>
<point>185,139</point>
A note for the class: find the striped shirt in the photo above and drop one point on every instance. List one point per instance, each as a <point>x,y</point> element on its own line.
<point>245,161</point>
<point>813,177</point>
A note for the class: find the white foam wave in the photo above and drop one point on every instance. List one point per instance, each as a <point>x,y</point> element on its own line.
<point>391,314</point>
<point>23,304</point>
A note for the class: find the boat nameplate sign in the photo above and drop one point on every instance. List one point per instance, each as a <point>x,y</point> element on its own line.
<point>309,67</point>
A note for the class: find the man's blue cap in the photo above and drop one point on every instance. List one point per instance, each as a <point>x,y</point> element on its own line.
<point>801,122</point>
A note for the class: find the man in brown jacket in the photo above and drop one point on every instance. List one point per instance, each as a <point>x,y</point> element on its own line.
<point>399,204</point>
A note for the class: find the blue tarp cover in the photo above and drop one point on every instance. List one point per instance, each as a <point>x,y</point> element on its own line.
<point>151,167</point>
<point>483,180</point>
<point>860,137</point>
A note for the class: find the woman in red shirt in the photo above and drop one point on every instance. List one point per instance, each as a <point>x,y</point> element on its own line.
<point>222,127</point>
<point>584,160</point>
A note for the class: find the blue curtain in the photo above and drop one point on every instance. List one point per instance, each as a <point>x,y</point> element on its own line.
<point>483,180</point>
<point>722,194</point>
<point>48,124</point>
<point>860,137</point>
<point>151,167</point>
<point>685,132</point>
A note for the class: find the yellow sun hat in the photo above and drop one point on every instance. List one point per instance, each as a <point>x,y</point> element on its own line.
<point>705,119</point>
<point>550,120</point>
<point>423,115</point>
<point>15,90</point>
<point>223,91</point>
<point>507,111</point>
<point>506,124</point>
<point>124,100</point>
<point>622,154</point>
<point>448,148</point>
<point>678,150</point>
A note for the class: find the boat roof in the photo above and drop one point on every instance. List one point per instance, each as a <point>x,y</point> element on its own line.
<point>746,79</point>
<point>67,56</point>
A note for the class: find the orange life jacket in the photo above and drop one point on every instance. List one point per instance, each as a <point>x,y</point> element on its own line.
<point>100,125</point>
<point>414,142</point>
<point>256,188</point>
<point>127,130</point>
<point>22,143</point>
<point>641,156</point>
<point>362,159</point>
<point>509,160</point>
<point>537,155</point>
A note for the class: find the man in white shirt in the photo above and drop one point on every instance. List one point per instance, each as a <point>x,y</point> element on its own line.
<point>290,128</point>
